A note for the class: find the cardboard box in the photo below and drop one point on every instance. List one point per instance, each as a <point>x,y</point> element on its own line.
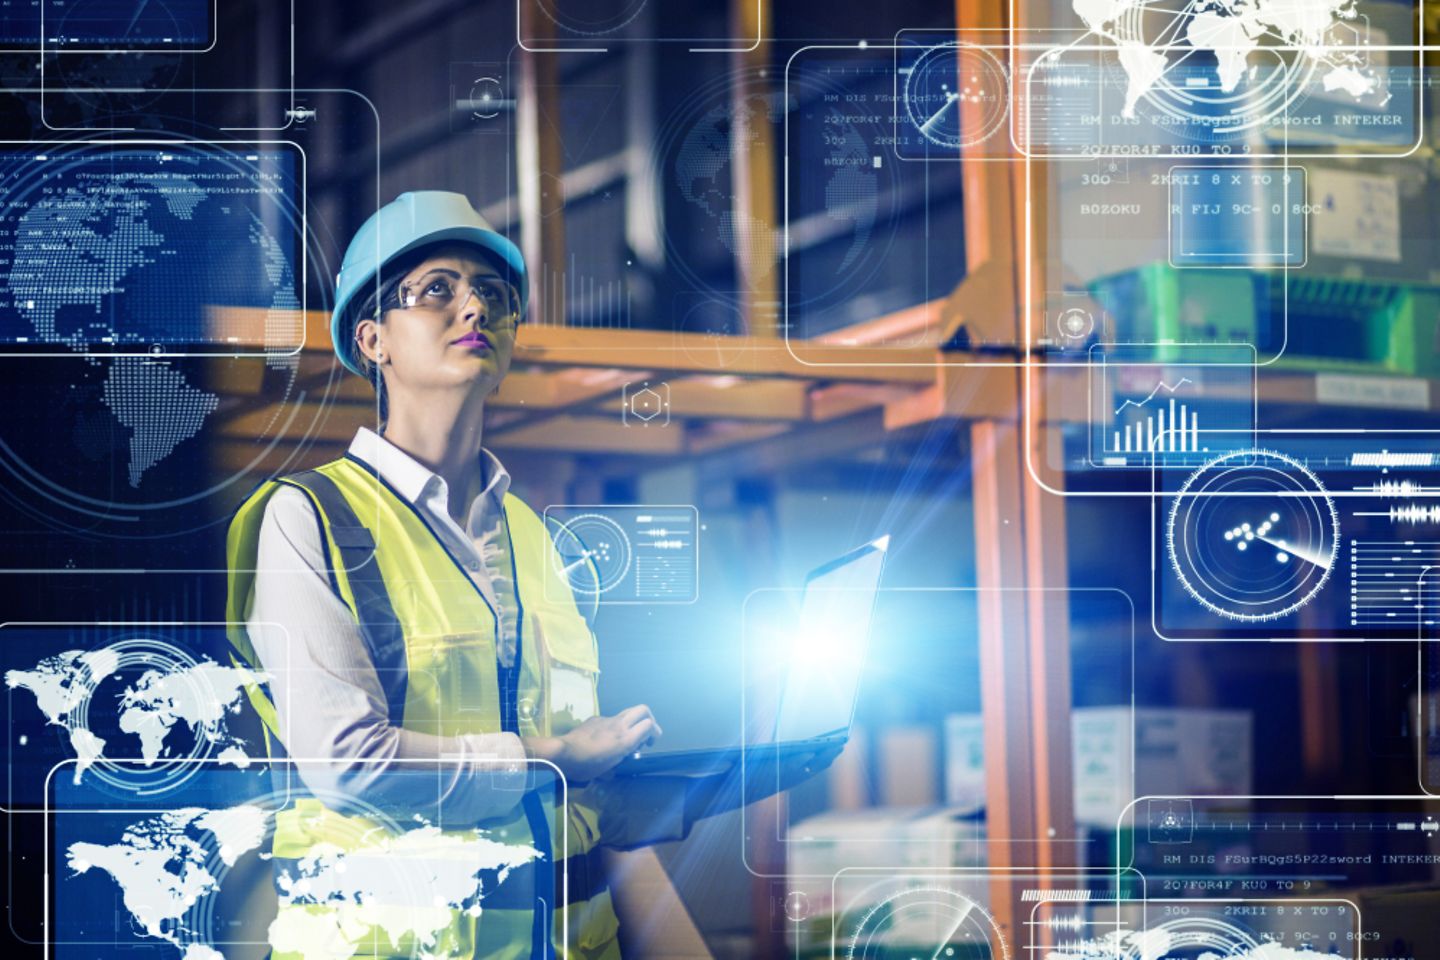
<point>1119,756</point>
<point>907,767</point>
<point>964,760</point>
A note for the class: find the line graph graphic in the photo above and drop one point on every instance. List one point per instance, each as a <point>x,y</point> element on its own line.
<point>1162,385</point>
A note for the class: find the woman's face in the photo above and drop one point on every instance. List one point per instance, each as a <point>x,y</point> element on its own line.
<point>450,328</point>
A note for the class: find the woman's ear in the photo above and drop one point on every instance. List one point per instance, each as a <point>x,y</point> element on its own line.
<point>367,338</point>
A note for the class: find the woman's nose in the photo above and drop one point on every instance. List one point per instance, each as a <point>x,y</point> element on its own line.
<point>472,306</point>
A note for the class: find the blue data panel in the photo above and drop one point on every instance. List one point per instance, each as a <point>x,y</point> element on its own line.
<point>1226,217</point>
<point>1273,877</point>
<point>120,24</point>
<point>1223,79</point>
<point>181,879</point>
<point>131,712</point>
<point>628,554</point>
<point>169,249</point>
<point>868,232</point>
<point>1312,534</point>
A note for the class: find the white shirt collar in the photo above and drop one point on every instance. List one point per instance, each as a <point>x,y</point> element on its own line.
<point>412,479</point>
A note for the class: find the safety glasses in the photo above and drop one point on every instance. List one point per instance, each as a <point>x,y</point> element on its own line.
<point>444,291</point>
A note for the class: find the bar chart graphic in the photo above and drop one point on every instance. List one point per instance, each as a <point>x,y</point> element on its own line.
<point>1147,429</point>
<point>1147,414</point>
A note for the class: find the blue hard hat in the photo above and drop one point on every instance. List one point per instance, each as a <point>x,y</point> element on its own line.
<point>414,220</point>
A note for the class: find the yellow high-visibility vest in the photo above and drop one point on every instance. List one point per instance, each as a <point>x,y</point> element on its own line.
<point>432,637</point>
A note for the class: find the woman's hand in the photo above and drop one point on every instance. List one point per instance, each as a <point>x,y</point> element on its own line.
<point>599,743</point>
<point>765,774</point>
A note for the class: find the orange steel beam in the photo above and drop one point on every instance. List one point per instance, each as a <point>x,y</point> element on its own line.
<point>958,394</point>
<point>1322,741</point>
<point>1005,679</point>
<point>753,171</point>
<point>1020,549</point>
<point>540,167</point>
<point>1048,649</point>
<point>666,352</point>
<point>663,351</point>
<point>920,325</point>
<point>589,434</point>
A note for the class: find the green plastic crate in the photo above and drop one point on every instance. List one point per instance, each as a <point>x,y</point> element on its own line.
<point>1334,323</point>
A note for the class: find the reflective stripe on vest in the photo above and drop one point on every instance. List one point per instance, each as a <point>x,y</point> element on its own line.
<point>410,596</point>
<point>380,628</point>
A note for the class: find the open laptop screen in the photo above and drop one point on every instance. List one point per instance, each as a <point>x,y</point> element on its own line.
<point>827,653</point>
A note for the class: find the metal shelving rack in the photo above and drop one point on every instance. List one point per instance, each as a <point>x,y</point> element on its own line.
<point>564,401</point>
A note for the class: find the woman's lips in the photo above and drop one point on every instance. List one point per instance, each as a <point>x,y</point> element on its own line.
<point>473,339</point>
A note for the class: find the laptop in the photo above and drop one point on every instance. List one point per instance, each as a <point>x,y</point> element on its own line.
<point>822,672</point>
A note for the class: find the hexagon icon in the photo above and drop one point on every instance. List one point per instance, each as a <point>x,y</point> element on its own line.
<point>646,404</point>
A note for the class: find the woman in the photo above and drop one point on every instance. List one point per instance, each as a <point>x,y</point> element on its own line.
<point>406,607</point>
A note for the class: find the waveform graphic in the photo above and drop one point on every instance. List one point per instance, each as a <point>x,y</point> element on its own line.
<point>1398,488</point>
<point>1409,513</point>
<point>1075,924</point>
<point>1385,458</point>
<point>668,544</point>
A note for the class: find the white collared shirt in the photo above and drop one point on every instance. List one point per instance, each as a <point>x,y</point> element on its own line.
<point>328,697</point>
<point>482,547</point>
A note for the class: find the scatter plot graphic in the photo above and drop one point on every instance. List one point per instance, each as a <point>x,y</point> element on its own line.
<point>594,552</point>
<point>1252,535</point>
<point>1385,499</point>
<point>955,95</point>
<point>628,554</point>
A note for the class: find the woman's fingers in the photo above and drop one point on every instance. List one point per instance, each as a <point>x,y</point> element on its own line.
<point>639,714</point>
<point>640,733</point>
<point>635,714</point>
